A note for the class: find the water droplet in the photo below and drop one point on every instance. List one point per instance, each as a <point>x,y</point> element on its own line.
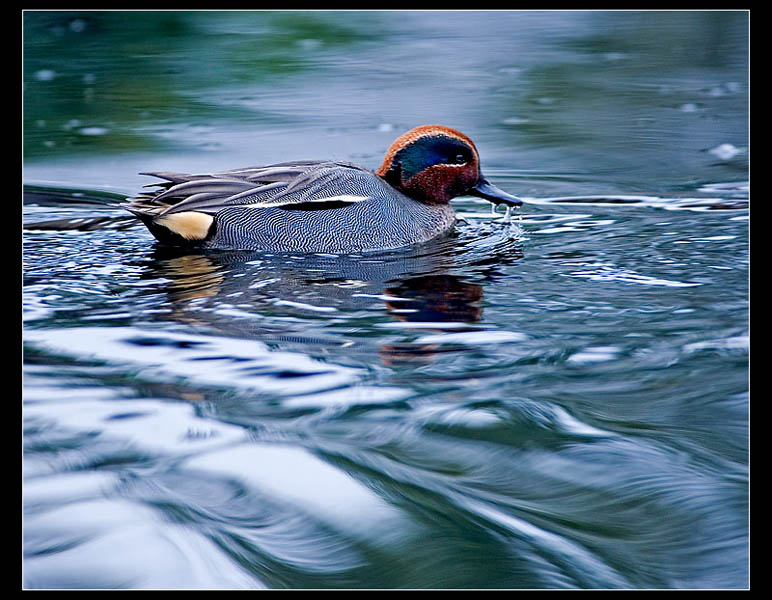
<point>45,75</point>
<point>725,151</point>
<point>515,121</point>
<point>78,26</point>
<point>93,131</point>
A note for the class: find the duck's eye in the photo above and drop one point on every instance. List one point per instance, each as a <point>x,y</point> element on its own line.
<point>459,159</point>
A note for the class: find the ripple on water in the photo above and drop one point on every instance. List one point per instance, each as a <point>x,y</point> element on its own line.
<point>199,360</point>
<point>734,197</point>
<point>610,272</point>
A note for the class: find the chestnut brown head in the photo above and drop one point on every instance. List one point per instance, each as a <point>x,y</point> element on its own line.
<point>434,164</point>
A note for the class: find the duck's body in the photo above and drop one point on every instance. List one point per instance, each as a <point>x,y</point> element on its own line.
<point>322,206</point>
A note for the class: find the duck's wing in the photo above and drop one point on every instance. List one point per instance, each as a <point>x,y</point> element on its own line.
<point>308,185</point>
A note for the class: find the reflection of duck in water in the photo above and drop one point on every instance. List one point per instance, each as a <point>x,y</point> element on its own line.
<point>315,291</point>
<point>433,299</point>
<point>257,281</point>
<point>323,206</point>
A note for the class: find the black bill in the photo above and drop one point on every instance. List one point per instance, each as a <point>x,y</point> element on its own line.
<point>491,193</point>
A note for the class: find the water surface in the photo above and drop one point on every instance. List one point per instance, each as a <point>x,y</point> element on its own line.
<point>555,401</point>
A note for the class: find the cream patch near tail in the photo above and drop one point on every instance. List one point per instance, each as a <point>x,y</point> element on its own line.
<point>191,225</point>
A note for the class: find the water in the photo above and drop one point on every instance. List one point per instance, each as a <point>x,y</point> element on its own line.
<point>555,401</point>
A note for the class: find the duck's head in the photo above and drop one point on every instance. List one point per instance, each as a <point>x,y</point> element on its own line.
<point>434,164</point>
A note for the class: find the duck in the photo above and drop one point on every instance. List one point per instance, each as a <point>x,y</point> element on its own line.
<point>322,206</point>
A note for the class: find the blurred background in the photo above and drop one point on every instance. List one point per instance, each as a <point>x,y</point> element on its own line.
<point>556,401</point>
<point>635,100</point>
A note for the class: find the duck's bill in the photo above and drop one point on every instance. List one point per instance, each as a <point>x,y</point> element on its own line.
<point>491,193</point>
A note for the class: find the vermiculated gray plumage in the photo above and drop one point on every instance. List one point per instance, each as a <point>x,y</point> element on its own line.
<point>312,206</point>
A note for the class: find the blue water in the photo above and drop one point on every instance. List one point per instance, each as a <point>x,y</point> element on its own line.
<point>555,401</point>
